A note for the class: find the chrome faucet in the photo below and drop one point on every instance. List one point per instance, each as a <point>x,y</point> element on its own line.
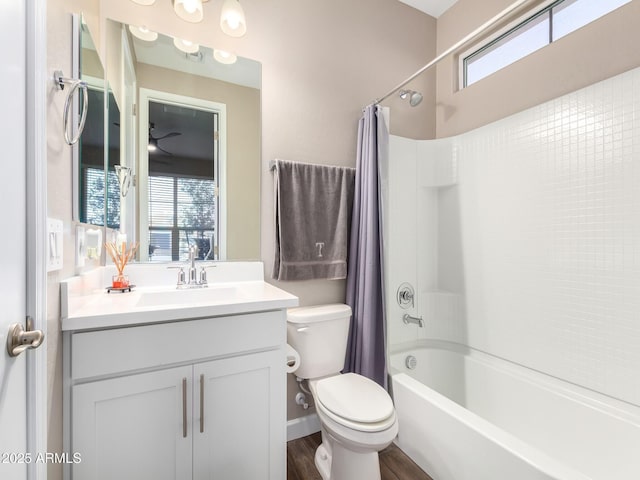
<point>192,279</point>
<point>407,319</point>
<point>193,272</point>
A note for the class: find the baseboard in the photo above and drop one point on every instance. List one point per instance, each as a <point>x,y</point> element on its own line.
<point>302,426</point>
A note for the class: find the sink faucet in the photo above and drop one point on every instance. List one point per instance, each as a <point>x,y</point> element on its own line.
<point>192,279</point>
<point>193,273</point>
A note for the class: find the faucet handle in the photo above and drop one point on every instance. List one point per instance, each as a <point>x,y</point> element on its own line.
<point>182,279</point>
<point>203,273</point>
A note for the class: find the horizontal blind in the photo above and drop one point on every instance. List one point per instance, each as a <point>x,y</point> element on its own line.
<point>94,195</point>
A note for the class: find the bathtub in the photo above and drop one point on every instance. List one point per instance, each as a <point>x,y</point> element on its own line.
<point>467,415</point>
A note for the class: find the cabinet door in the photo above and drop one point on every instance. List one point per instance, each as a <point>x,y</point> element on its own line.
<point>239,418</point>
<point>131,428</point>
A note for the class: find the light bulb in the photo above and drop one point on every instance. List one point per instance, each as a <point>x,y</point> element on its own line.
<point>143,33</point>
<point>186,46</point>
<point>189,10</point>
<point>190,6</point>
<point>226,58</point>
<point>232,20</point>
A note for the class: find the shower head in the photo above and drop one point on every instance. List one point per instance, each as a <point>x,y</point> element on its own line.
<point>414,97</point>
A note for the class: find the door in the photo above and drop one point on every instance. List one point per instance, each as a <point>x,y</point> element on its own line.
<point>134,427</point>
<point>13,413</point>
<point>181,202</point>
<point>239,418</point>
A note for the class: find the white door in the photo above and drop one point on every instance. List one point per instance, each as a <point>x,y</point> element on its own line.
<point>13,426</point>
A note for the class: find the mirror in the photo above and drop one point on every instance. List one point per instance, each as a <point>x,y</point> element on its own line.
<point>91,147</point>
<point>187,128</point>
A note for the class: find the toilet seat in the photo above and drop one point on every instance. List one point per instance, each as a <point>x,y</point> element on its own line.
<point>355,402</point>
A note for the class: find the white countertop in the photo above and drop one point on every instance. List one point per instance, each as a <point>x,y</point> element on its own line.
<point>86,304</point>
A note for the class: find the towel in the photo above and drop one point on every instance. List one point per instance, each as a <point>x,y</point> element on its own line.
<point>313,217</point>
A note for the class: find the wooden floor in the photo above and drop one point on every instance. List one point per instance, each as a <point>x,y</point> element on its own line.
<point>394,464</point>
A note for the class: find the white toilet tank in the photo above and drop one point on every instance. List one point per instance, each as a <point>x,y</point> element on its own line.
<point>319,334</point>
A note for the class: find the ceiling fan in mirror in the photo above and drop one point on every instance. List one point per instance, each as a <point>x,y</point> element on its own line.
<point>153,145</point>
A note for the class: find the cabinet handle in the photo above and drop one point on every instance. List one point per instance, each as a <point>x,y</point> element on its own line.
<point>184,407</point>
<point>202,403</point>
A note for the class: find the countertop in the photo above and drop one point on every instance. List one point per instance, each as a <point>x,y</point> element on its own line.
<point>87,308</point>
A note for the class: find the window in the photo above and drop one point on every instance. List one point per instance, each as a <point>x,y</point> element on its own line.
<point>93,197</point>
<point>92,155</point>
<point>182,211</point>
<point>556,20</point>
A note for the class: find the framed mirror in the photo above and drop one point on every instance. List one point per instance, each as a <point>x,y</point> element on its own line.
<point>185,168</point>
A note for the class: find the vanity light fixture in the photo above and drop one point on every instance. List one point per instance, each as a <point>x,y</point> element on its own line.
<point>189,10</point>
<point>143,33</point>
<point>232,20</point>
<point>185,45</point>
<point>227,58</point>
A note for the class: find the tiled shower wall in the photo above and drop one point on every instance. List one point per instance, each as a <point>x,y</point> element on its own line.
<point>526,237</point>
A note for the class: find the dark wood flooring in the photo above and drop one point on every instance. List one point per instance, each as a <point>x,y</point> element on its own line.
<point>394,464</point>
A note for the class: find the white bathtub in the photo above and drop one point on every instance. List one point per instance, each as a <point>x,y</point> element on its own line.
<point>466,415</point>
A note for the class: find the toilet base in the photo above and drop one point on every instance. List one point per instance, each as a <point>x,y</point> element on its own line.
<point>344,464</point>
<point>323,462</point>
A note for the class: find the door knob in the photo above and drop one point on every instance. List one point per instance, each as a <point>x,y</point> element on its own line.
<point>20,339</point>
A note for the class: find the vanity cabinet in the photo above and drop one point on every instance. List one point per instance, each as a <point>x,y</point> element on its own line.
<point>131,427</point>
<point>192,399</point>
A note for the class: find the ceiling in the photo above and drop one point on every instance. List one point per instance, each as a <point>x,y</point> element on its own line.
<point>435,8</point>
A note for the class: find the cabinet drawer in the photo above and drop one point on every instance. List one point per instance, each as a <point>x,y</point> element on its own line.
<point>108,352</point>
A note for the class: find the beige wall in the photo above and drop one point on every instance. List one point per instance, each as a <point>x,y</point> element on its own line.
<point>243,149</point>
<point>322,62</point>
<point>113,64</point>
<point>59,201</point>
<point>91,64</point>
<point>597,51</point>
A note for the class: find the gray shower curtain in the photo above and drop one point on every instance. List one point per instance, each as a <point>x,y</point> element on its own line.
<point>366,345</point>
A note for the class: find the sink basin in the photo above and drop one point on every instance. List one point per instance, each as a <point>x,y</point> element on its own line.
<point>187,296</point>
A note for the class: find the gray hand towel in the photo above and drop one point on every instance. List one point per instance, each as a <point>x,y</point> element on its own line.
<point>313,217</point>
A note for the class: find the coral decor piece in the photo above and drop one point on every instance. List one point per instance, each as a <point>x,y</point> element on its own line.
<point>121,255</point>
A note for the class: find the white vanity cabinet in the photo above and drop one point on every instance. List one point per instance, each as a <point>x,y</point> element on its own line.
<point>131,426</point>
<point>190,399</point>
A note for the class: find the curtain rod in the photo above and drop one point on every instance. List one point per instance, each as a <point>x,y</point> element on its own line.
<point>481,29</point>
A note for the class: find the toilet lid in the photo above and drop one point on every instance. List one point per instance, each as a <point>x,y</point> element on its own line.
<point>355,398</point>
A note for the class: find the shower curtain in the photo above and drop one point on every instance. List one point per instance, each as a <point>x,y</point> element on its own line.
<point>366,344</point>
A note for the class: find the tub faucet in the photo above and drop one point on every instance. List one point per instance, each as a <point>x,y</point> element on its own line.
<point>407,319</point>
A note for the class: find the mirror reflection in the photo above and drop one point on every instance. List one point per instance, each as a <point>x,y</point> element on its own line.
<point>184,149</point>
<point>182,181</point>
<point>91,185</point>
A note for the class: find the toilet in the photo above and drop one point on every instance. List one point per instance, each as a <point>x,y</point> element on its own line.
<point>356,414</point>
